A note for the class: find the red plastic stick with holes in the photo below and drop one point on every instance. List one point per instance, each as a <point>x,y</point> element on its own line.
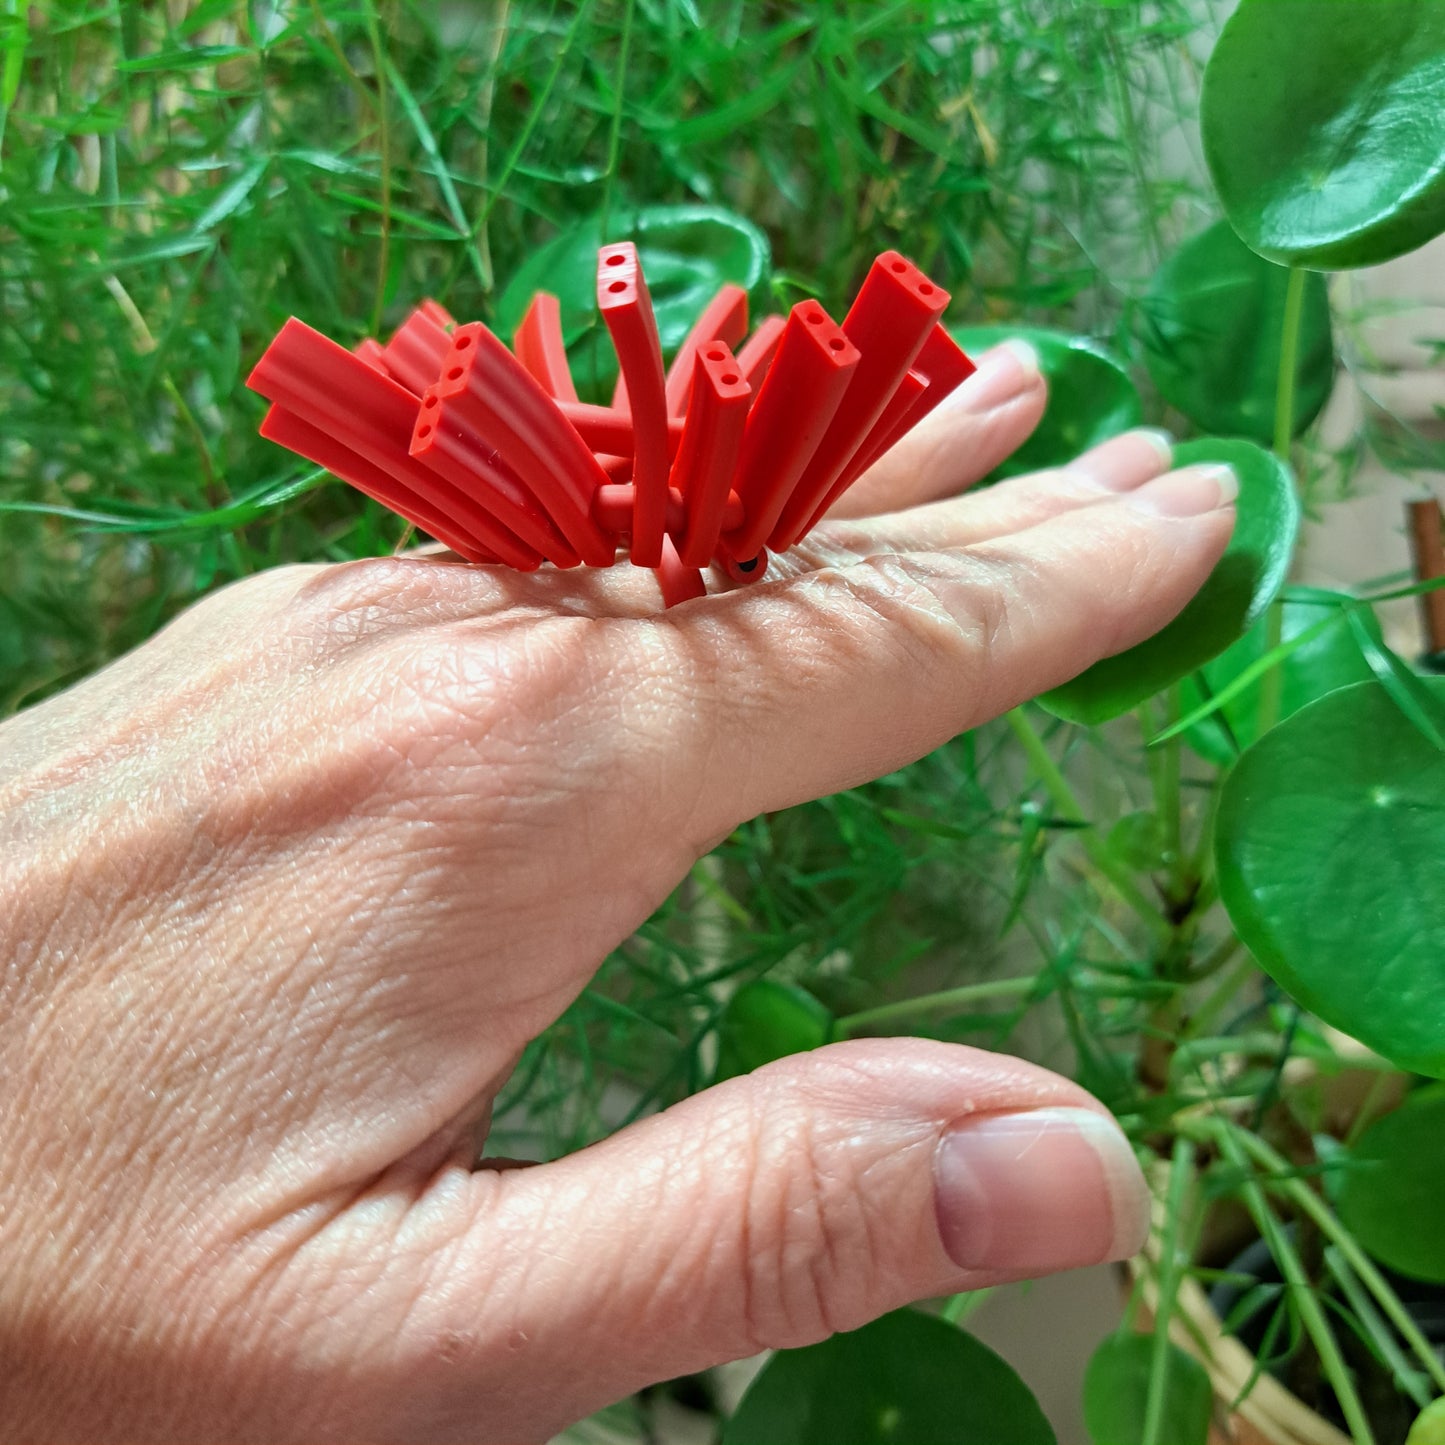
<point>725,319</point>
<point>341,396</point>
<point>810,374</point>
<point>889,321</point>
<point>541,348</point>
<point>707,459</point>
<point>941,367</point>
<point>484,385</point>
<point>626,307</point>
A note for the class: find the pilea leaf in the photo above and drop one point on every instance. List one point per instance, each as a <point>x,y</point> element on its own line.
<point>1322,128</point>
<point>906,1379</point>
<point>1244,582</point>
<point>766,1020</point>
<point>1211,337</point>
<point>1393,1196</point>
<point>1328,845</point>
<point>1091,397</point>
<point>1116,1393</point>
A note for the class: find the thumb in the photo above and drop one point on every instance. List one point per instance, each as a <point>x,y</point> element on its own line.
<point>774,1210</point>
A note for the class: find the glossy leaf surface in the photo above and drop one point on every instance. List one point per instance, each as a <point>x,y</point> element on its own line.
<point>1213,319</point>
<point>1393,1196</point>
<point>1090,395</point>
<point>1244,582</point>
<point>1328,844</point>
<point>1116,1394</point>
<point>687,253</point>
<point>906,1379</point>
<point>765,1020</point>
<point>1323,127</point>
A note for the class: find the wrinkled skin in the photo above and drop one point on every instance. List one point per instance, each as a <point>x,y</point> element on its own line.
<point>284,893</point>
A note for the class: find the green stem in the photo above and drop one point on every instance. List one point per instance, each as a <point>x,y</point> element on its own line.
<point>1181,1171</point>
<point>949,1000</point>
<point>1067,805</point>
<point>1309,1203</point>
<point>1300,1287</point>
<point>1272,684</point>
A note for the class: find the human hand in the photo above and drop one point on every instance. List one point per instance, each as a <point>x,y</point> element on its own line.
<point>284,893</point>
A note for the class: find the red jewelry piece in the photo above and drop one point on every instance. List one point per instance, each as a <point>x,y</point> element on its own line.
<point>739,448</point>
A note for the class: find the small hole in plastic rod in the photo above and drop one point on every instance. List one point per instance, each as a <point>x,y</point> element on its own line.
<point>835,343</point>
<point>899,268</point>
<point>748,566</point>
<point>454,373</point>
<point>924,289</point>
<point>731,379</point>
<point>616,260</point>
<point>463,342</point>
<point>430,401</point>
<point>617,286</point>
<point>424,432</point>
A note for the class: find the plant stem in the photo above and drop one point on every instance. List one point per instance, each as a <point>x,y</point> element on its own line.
<point>1309,1203</point>
<point>1181,1171</point>
<point>1272,683</point>
<point>950,1000</point>
<point>1067,804</point>
<point>1301,1289</point>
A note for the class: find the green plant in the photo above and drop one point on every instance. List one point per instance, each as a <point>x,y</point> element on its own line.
<point>177,179</point>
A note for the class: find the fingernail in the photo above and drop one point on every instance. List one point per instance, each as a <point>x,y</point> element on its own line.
<point>1004,371</point>
<point>1040,1191</point>
<point>1126,461</point>
<point>1189,492</point>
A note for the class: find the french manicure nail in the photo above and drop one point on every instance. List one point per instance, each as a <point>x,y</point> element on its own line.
<point>1189,492</point>
<point>1004,371</point>
<point>1030,1193</point>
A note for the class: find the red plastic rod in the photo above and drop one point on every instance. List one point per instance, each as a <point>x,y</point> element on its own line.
<point>889,321</point>
<point>606,430</point>
<point>942,365</point>
<point>539,346</point>
<point>416,348</point>
<point>445,439</point>
<point>288,429</point>
<point>612,510</point>
<point>808,378</point>
<point>339,394</point>
<point>626,307</point>
<point>679,582</point>
<point>742,573</point>
<point>371,353</point>
<point>707,460</point>
<point>891,425</point>
<point>759,349</point>
<point>724,319</point>
<point>505,404</point>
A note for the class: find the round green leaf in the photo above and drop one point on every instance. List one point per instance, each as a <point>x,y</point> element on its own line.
<point>766,1020</point>
<point>687,253</point>
<point>1393,1195</point>
<point>907,1379</point>
<point>1323,128</point>
<point>1328,844</point>
<point>1211,337</point>
<point>1116,1393</point>
<point>1429,1426</point>
<point>1329,660</point>
<point>1244,582</point>
<point>1090,395</point>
